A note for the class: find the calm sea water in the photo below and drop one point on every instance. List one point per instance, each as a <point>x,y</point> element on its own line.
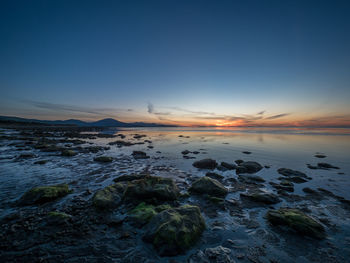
<point>283,147</point>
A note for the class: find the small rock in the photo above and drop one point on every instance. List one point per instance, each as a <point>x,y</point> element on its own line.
<point>205,164</point>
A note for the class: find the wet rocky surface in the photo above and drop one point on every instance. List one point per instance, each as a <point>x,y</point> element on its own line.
<point>82,196</point>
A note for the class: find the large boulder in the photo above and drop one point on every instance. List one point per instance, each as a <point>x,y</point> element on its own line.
<point>212,255</point>
<point>43,194</point>
<point>248,167</point>
<point>205,164</point>
<point>210,186</point>
<point>152,187</point>
<point>175,230</point>
<point>109,197</point>
<point>296,220</point>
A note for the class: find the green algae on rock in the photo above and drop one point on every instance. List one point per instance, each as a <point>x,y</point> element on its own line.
<point>152,187</point>
<point>296,220</point>
<point>109,197</point>
<point>210,186</point>
<point>143,212</point>
<point>43,194</point>
<point>103,159</point>
<point>175,230</point>
<point>59,215</point>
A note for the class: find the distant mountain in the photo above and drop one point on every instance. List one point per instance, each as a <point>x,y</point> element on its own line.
<point>109,122</point>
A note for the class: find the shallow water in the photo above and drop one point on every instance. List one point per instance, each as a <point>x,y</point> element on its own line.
<point>289,148</point>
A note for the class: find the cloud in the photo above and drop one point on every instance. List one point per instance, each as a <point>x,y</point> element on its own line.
<point>72,108</point>
<point>190,111</point>
<point>277,116</point>
<point>150,108</point>
<point>261,112</point>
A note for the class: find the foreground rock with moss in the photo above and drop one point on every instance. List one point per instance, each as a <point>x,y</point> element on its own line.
<point>296,220</point>
<point>152,187</point>
<point>173,231</point>
<point>109,197</point>
<point>209,186</point>
<point>43,194</point>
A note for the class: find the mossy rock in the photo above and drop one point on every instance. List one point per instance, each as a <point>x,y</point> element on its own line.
<point>59,215</point>
<point>152,187</point>
<point>173,231</point>
<point>68,153</point>
<point>143,212</point>
<point>210,186</point>
<point>43,194</point>
<point>109,197</point>
<point>296,220</point>
<point>103,159</point>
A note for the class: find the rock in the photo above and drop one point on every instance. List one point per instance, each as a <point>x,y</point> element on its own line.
<point>58,217</point>
<point>207,185</point>
<point>261,197</point>
<point>205,164</point>
<point>127,178</point>
<point>248,167</point>
<point>173,231</point>
<point>143,213</point>
<point>103,159</point>
<point>41,162</point>
<point>152,187</point>
<point>68,153</point>
<point>247,152</point>
<point>239,162</point>
<point>212,255</point>
<point>26,155</point>
<point>285,187</point>
<point>290,172</point>
<point>221,168</point>
<point>121,143</point>
<point>296,220</point>
<point>140,155</point>
<point>214,176</point>
<point>43,194</point>
<point>320,156</point>
<point>228,166</point>
<point>185,152</point>
<point>309,190</point>
<point>251,179</point>
<point>109,197</point>
<point>327,166</point>
<point>295,179</point>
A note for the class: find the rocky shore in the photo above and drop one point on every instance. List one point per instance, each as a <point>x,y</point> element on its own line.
<point>133,208</point>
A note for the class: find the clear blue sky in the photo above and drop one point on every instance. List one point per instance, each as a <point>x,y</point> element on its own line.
<point>176,61</point>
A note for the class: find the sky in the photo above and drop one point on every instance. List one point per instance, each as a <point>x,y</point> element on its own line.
<point>223,63</point>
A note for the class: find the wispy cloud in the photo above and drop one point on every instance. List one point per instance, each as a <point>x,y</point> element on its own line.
<point>261,112</point>
<point>277,116</point>
<point>191,111</point>
<point>150,108</point>
<point>73,109</point>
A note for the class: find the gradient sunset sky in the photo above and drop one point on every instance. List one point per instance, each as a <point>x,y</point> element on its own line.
<point>181,62</point>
